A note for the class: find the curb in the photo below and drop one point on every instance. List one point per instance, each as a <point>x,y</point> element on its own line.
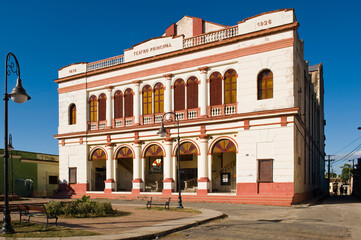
<point>154,231</point>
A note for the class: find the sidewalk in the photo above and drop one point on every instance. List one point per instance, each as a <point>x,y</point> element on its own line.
<point>140,224</point>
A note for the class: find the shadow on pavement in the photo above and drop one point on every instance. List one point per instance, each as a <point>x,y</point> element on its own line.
<point>343,199</point>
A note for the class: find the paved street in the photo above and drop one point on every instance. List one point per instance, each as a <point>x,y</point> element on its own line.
<point>334,218</point>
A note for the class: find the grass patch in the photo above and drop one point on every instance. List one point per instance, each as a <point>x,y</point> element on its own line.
<point>33,230</point>
<point>187,210</point>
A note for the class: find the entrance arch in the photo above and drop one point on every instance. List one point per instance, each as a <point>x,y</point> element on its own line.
<point>97,160</point>
<point>153,168</point>
<point>224,166</point>
<point>124,169</point>
<point>189,166</point>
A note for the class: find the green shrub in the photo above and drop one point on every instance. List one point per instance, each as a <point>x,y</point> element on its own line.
<point>81,208</point>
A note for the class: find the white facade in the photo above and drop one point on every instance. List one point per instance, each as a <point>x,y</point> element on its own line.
<point>284,131</point>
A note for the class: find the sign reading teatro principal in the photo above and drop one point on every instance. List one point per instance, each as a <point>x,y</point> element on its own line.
<point>153,47</point>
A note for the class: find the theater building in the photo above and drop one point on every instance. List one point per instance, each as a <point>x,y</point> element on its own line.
<point>250,111</point>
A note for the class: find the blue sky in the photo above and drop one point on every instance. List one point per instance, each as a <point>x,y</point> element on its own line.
<point>47,35</point>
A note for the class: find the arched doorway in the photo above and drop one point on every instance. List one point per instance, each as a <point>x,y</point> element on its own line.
<point>224,166</point>
<point>188,163</point>
<point>98,166</point>
<point>154,169</point>
<point>124,168</point>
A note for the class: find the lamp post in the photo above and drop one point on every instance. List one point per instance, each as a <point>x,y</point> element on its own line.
<point>162,133</point>
<point>11,148</point>
<point>18,95</point>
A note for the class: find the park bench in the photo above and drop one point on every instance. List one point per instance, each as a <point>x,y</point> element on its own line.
<point>35,210</point>
<point>158,202</point>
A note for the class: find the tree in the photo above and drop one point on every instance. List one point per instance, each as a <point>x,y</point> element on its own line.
<point>346,172</point>
<point>332,175</point>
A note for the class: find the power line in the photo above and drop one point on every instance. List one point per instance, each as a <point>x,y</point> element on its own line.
<point>347,145</point>
<point>347,156</point>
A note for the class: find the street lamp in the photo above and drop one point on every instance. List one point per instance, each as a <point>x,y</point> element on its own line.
<point>162,133</point>
<point>18,95</point>
<point>11,148</point>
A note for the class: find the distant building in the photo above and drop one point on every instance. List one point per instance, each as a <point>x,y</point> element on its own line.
<point>32,174</point>
<point>250,109</point>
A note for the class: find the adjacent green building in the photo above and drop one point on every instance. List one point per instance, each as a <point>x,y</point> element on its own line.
<point>30,174</point>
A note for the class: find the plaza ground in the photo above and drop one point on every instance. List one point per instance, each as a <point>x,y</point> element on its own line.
<point>337,217</point>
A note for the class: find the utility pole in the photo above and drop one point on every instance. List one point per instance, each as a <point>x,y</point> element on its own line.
<point>328,175</point>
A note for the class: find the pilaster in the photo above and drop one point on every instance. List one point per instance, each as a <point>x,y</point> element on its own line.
<point>203,93</point>
<point>137,178</point>
<point>168,182</point>
<point>136,102</point>
<point>203,177</point>
<point>109,111</point>
<point>109,183</point>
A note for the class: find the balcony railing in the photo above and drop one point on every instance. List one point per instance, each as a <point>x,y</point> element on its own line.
<point>225,109</point>
<point>187,43</point>
<point>105,63</point>
<point>210,37</point>
<point>129,121</point>
<point>102,124</point>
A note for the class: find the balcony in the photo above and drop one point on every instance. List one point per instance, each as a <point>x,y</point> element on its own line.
<point>225,109</point>
<point>188,114</point>
<point>97,125</point>
<point>152,118</point>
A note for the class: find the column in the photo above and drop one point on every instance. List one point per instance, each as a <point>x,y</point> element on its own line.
<point>137,178</point>
<point>168,182</point>
<point>210,171</point>
<point>174,171</point>
<point>136,102</point>
<point>168,93</point>
<point>203,91</point>
<point>203,180</point>
<point>109,107</point>
<point>109,183</point>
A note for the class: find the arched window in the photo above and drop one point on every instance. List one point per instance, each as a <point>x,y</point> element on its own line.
<point>158,98</point>
<point>192,92</point>
<point>179,95</point>
<point>93,108</point>
<point>216,89</point>
<point>147,100</point>
<point>118,104</point>
<point>72,114</point>
<point>265,84</point>
<point>230,86</point>
<point>128,103</point>
<point>102,107</point>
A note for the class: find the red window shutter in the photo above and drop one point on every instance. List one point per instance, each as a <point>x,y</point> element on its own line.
<point>192,93</point>
<point>128,103</point>
<point>216,89</point>
<point>179,95</point>
<point>118,104</point>
<point>102,107</point>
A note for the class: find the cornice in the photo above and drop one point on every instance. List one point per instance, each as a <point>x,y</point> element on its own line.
<point>247,36</point>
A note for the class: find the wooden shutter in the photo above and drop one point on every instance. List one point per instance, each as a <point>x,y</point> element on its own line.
<point>216,89</point>
<point>265,170</point>
<point>102,107</point>
<point>128,103</point>
<point>72,175</point>
<point>93,109</point>
<point>192,93</point>
<point>179,95</point>
<point>118,104</point>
